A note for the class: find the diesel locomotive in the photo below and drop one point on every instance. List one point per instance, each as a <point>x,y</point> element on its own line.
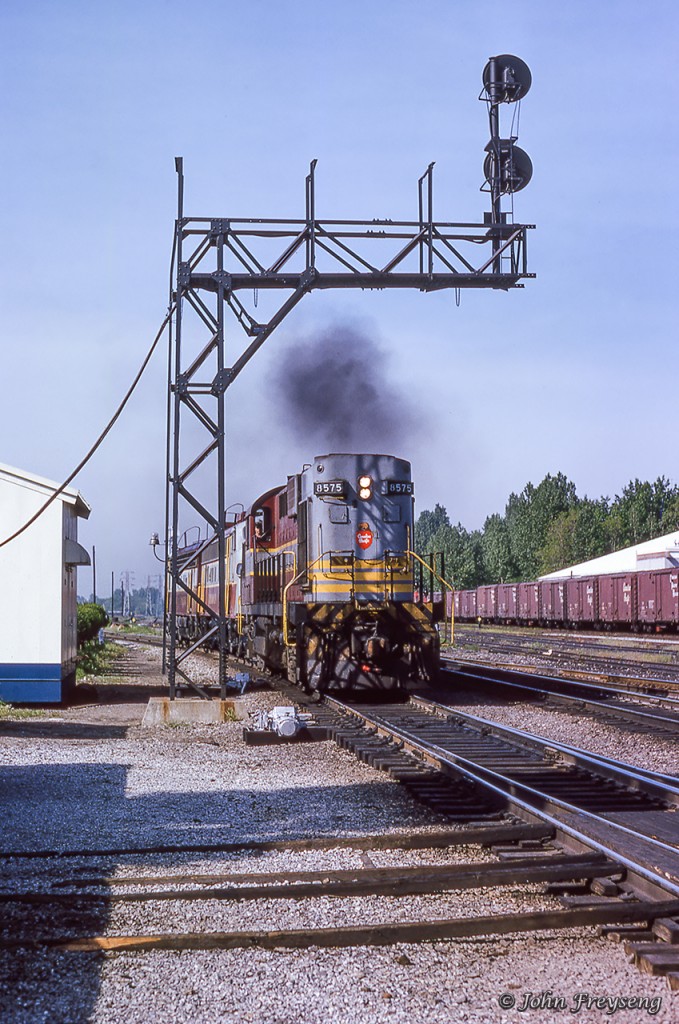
<point>321,580</point>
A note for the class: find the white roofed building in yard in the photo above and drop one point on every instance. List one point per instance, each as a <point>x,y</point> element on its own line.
<point>38,588</point>
<point>660,553</point>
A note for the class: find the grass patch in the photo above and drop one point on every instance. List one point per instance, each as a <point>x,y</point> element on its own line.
<point>133,627</point>
<point>95,659</point>
<point>9,712</point>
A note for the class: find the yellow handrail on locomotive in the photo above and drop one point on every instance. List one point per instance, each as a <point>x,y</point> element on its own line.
<point>445,583</point>
<point>291,643</point>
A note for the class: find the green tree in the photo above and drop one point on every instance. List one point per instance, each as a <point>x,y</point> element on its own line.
<point>589,531</point>
<point>558,550</point>
<point>529,516</point>
<point>497,561</point>
<point>575,535</point>
<point>639,512</point>
<point>670,515</point>
<point>428,524</point>
<point>462,555</point>
<point>91,618</point>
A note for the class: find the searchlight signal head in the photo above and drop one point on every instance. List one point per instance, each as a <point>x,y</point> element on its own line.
<point>506,79</point>
<point>514,166</point>
<point>506,167</point>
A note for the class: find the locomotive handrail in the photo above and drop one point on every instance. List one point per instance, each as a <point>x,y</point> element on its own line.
<point>445,583</point>
<point>294,579</point>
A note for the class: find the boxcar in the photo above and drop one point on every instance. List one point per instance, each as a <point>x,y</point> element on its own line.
<point>658,597</point>
<point>618,599</point>
<point>486,603</point>
<point>507,601</point>
<point>582,600</point>
<point>553,602</point>
<point>469,604</point>
<point>465,605</point>
<point>528,602</point>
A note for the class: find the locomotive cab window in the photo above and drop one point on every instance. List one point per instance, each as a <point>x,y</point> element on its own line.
<point>262,523</point>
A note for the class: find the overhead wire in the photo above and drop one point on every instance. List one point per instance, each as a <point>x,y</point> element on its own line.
<point>111,423</point>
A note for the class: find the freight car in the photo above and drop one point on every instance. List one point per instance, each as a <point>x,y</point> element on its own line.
<point>321,580</point>
<point>645,600</point>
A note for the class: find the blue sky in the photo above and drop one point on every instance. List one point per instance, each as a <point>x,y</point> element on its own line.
<point>572,374</point>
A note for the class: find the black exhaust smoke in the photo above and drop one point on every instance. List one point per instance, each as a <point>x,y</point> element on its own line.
<point>333,393</point>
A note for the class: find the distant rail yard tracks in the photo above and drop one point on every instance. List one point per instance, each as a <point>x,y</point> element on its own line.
<point>624,658</point>
<point>633,710</point>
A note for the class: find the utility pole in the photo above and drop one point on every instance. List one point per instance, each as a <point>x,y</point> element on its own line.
<point>94,574</point>
<point>126,585</point>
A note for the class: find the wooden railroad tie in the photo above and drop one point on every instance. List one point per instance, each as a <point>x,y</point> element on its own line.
<point>364,935</point>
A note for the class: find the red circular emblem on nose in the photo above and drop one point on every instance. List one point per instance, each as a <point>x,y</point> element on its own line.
<point>364,538</point>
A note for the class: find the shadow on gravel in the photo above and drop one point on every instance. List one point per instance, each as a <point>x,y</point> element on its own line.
<point>61,730</point>
<point>70,808</point>
<point>40,985</point>
<point>127,693</point>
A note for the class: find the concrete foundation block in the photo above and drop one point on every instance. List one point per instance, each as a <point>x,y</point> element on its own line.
<point>187,711</point>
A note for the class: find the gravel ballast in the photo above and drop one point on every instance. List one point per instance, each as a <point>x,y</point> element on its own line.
<point>93,779</point>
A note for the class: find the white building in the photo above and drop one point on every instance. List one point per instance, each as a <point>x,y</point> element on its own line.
<point>660,553</point>
<point>38,608</point>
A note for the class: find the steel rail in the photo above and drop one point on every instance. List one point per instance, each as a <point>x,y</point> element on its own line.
<point>504,787</point>
<point>621,770</point>
<point>596,639</point>
<point>462,670</point>
<point>583,655</point>
<point>467,668</point>
<point>589,649</point>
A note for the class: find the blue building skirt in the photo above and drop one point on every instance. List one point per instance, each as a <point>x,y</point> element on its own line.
<point>31,684</point>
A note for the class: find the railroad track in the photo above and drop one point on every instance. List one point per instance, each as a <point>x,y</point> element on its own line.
<point>651,720</point>
<point>70,912</point>
<point>608,642</point>
<point>72,908</point>
<point>505,764</point>
<point>658,657</point>
<point>598,837</point>
<point>472,770</point>
<point>151,639</point>
<point>99,901</point>
<point>608,703</point>
<point>649,686</point>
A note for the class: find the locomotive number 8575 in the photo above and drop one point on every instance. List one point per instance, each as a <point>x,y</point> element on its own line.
<point>320,579</point>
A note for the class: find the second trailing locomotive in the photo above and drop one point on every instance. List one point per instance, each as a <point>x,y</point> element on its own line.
<point>320,579</point>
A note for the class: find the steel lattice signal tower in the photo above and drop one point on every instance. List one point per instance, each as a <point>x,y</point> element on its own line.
<point>222,266</point>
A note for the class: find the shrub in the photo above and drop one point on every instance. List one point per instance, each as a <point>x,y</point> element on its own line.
<point>91,618</point>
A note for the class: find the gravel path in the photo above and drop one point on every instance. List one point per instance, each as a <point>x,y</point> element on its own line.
<point>91,777</point>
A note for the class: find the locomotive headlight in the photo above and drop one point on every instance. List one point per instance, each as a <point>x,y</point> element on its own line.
<point>364,487</point>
